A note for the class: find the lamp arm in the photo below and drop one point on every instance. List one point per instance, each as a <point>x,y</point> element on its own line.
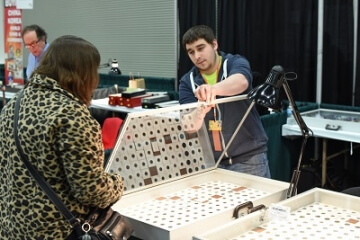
<point>305,131</point>
<point>292,191</point>
<point>234,134</point>
<point>105,65</point>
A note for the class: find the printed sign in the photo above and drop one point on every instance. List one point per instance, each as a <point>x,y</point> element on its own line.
<point>14,74</point>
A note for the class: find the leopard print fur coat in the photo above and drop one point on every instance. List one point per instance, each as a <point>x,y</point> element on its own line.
<point>63,142</point>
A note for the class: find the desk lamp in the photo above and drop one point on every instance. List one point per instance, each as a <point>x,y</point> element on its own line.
<point>267,95</point>
<point>114,68</point>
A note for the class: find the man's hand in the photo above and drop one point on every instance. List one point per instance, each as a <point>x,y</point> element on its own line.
<point>206,93</point>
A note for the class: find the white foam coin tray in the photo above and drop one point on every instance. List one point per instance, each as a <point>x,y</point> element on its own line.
<point>315,214</point>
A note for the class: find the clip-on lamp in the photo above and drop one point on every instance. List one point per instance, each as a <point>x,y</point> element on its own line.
<point>113,63</point>
<point>114,70</point>
<point>267,95</point>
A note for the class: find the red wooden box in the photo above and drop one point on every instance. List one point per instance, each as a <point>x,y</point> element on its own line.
<point>133,101</point>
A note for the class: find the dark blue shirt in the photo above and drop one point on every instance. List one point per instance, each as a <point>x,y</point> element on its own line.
<point>251,138</point>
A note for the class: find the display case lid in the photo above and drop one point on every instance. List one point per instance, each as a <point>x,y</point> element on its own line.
<point>153,147</point>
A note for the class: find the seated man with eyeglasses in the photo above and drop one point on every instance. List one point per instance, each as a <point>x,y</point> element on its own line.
<point>35,39</point>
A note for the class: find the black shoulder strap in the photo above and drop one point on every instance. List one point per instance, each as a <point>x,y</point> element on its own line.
<point>36,175</point>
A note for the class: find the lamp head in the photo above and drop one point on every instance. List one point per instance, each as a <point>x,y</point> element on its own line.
<point>114,63</point>
<point>267,94</point>
<point>114,70</point>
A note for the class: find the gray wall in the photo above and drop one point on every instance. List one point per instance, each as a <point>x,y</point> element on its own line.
<point>141,34</point>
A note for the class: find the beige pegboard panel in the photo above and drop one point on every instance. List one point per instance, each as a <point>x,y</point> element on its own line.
<point>153,147</point>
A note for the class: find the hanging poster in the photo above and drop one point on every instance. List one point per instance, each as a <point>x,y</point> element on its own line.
<point>14,74</point>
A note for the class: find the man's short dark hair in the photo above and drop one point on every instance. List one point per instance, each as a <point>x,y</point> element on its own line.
<point>198,32</point>
<point>40,32</point>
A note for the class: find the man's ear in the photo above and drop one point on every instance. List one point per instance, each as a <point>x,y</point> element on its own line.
<point>215,44</point>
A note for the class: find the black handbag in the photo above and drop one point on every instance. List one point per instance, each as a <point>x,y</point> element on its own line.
<point>102,224</point>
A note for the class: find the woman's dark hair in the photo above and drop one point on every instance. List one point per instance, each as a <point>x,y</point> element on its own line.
<point>40,32</point>
<point>73,62</point>
<point>198,32</point>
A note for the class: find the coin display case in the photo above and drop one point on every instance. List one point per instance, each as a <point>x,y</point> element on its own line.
<point>327,123</point>
<point>173,188</point>
<point>314,214</point>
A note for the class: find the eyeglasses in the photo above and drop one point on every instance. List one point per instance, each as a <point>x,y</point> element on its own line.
<point>33,44</point>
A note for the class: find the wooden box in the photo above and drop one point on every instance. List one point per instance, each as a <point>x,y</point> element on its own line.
<point>133,101</point>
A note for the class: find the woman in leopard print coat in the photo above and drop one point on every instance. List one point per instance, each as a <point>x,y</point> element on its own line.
<point>62,141</point>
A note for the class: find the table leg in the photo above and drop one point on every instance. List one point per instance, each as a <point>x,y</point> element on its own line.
<point>324,163</point>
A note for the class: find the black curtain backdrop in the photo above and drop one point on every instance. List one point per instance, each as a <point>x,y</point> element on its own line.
<point>273,32</point>
<point>338,52</point>
<point>282,32</point>
<point>191,13</point>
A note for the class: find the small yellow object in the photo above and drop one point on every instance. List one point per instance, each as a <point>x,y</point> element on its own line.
<point>214,125</point>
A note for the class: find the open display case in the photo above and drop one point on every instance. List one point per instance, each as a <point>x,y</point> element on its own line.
<point>314,214</point>
<point>173,189</point>
<point>328,123</point>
